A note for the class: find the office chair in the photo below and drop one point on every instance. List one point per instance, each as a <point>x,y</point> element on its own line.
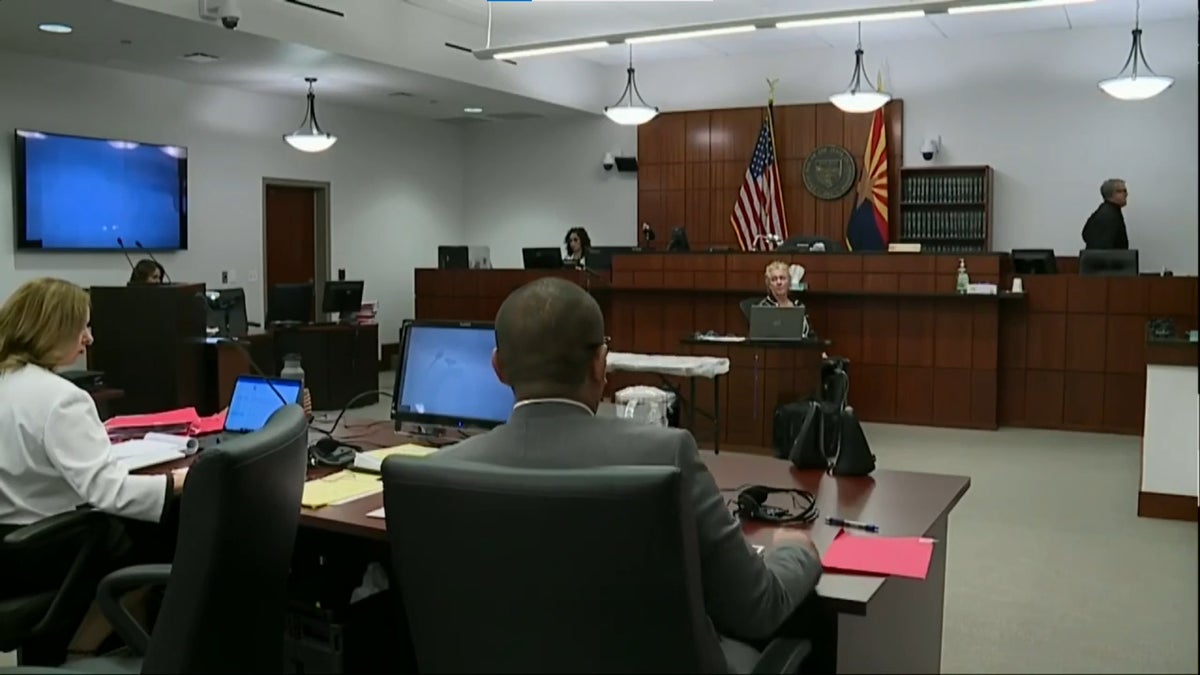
<point>805,243</point>
<point>593,570</point>
<point>223,611</point>
<point>39,626</point>
<point>745,306</point>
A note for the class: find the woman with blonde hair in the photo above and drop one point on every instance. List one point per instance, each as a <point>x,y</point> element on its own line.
<point>54,452</point>
<point>778,283</point>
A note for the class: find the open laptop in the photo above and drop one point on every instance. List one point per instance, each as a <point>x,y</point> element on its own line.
<point>252,404</point>
<point>776,323</point>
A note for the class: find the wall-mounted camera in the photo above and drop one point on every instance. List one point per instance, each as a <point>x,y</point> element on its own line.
<point>930,148</point>
<point>608,162</point>
<point>228,12</point>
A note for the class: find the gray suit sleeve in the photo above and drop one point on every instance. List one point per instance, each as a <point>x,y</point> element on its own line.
<point>746,595</point>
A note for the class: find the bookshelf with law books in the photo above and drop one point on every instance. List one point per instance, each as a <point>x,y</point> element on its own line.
<point>946,209</point>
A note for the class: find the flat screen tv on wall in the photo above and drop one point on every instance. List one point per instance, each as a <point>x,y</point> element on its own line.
<point>73,193</point>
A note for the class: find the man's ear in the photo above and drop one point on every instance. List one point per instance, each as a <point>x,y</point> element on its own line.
<point>496,365</point>
<point>600,365</point>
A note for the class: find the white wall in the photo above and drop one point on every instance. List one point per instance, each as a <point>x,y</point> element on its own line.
<point>396,184</point>
<point>528,182</point>
<point>1026,104</point>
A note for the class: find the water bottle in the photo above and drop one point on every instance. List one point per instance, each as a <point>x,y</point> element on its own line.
<point>963,281</point>
<point>293,371</point>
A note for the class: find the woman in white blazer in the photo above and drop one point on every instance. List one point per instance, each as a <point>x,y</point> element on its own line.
<point>54,452</point>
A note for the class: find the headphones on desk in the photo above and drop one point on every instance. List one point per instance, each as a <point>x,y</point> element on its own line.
<point>752,504</point>
<point>331,452</point>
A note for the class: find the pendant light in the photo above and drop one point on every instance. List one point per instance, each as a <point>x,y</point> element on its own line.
<point>1136,81</point>
<point>631,113</point>
<point>856,99</point>
<point>309,137</point>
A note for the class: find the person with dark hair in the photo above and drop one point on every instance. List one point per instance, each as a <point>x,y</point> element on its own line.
<point>578,244</point>
<point>552,351</point>
<point>147,271</point>
<point>1105,228</point>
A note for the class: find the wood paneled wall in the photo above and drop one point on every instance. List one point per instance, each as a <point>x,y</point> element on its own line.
<point>691,165</point>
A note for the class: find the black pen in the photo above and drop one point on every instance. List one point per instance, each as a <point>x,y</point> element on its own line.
<point>853,524</point>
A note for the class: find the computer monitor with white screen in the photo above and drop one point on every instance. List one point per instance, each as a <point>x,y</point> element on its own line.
<point>445,376</point>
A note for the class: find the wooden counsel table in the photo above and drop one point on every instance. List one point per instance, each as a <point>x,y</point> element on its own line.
<point>882,624</point>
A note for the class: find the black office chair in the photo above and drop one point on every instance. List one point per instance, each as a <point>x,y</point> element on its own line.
<point>745,306</point>
<point>527,570</point>
<point>802,243</point>
<point>39,625</point>
<point>223,611</point>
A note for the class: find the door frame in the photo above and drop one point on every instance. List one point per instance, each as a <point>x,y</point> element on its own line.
<point>321,235</point>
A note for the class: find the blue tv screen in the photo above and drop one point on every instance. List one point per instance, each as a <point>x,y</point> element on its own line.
<point>83,194</point>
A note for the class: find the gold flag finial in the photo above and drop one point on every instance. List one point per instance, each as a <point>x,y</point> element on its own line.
<point>771,82</point>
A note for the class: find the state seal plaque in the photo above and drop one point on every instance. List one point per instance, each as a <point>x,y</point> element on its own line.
<point>829,172</point>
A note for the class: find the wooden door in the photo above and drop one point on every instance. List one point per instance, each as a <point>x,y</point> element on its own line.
<point>289,236</point>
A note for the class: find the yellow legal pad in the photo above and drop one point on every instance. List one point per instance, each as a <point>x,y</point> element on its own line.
<point>347,485</point>
<point>407,450</point>
<point>339,487</point>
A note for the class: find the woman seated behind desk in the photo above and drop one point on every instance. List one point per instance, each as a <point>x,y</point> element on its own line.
<point>54,452</point>
<point>147,271</point>
<point>778,284</point>
<point>578,244</point>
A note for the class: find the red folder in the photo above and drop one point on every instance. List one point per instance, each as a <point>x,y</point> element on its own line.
<point>886,556</point>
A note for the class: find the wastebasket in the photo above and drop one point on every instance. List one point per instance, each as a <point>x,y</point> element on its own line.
<point>648,405</point>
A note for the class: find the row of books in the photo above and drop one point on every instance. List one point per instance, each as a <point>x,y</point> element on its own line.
<point>953,248</point>
<point>942,224</point>
<point>943,189</point>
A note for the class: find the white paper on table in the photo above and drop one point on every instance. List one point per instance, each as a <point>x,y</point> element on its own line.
<point>154,443</point>
<point>377,513</point>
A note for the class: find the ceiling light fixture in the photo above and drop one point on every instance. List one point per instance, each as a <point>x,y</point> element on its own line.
<point>1129,84</point>
<point>472,111</point>
<point>1020,4</point>
<point>542,51</point>
<point>856,99</point>
<point>309,137</point>
<point>899,9</point>
<point>632,113</point>
<point>55,28</point>
<point>852,18</point>
<point>688,34</point>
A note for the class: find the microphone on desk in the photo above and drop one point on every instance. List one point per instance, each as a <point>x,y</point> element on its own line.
<point>125,252</point>
<point>647,232</point>
<point>138,244</point>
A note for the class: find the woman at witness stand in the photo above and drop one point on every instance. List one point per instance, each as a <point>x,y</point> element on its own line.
<point>147,271</point>
<point>578,244</point>
<point>55,455</point>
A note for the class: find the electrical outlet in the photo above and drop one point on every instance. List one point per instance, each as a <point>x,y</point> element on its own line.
<point>253,276</point>
<point>224,276</point>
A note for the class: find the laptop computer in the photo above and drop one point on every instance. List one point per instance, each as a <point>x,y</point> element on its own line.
<point>776,323</point>
<point>252,404</point>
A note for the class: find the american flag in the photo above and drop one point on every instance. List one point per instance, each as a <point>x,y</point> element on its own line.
<point>758,213</point>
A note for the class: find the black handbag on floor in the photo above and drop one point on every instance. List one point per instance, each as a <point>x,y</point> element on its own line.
<point>824,433</point>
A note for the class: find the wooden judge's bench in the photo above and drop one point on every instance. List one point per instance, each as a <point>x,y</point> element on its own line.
<point>1068,353</point>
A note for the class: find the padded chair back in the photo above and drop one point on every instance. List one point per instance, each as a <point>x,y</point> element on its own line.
<point>745,306</point>
<point>224,606</point>
<point>530,570</point>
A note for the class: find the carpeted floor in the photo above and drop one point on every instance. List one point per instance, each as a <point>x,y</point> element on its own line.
<point>1049,568</point>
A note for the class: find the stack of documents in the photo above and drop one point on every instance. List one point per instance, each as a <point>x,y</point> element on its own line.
<point>154,448</point>
<point>336,488</point>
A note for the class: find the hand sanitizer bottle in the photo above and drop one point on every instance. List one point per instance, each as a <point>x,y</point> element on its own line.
<point>963,281</point>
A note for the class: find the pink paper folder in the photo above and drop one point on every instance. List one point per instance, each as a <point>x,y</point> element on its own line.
<point>210,424</point>
<point>183,416</point>
<point>887,556</point>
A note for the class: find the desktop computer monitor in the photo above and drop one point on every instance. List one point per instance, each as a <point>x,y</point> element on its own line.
<point>678,240</point>
<point>226,311</point>
<point>1108,262</point>
<point>290,303</point>
<point>542,258</point>
<point>342,297</point>
<point>1034,261</point>
<point>445,377</point>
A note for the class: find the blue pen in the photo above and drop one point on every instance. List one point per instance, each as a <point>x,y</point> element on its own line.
<point>854,524</point>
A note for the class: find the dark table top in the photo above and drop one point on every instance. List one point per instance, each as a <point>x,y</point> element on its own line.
<point>901,503</point>
<point>755,342</point>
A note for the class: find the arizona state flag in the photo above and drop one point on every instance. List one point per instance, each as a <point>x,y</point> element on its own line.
<point>868,226</point>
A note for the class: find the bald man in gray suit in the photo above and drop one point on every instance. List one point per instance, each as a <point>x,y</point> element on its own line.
<point>551,349</point>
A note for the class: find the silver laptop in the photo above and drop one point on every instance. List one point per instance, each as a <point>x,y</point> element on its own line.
<point>776,323</point>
